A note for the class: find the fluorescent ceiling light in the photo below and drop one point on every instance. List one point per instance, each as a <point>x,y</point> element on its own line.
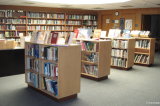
<point>81,1</point>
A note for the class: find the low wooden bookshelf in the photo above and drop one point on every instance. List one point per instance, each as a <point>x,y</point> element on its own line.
<point>95,61</point>
<point>144,51</point>
<point>54,70</point>
<point>122,56</point>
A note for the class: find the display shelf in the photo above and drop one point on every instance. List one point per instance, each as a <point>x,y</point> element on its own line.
<point>62,75</point>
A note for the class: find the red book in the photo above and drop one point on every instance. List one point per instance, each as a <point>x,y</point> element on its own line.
<point>76,31</point>
<point>54,38</point>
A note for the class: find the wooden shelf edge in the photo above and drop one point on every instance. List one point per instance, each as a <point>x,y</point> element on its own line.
<point>93,78</point>
<point>121,68</point>
<point>54,98</point>
<point>89,63</point>
<point>142,53</point>
<point>143,64</point>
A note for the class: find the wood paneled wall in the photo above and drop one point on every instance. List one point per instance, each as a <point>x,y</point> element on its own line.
<point>134,14</point>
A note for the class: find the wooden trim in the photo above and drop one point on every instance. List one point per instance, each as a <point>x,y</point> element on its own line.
<point>94,78</point>
<point>121,68</point>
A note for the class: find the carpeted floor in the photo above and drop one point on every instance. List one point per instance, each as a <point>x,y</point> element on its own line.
<point>137,87</point>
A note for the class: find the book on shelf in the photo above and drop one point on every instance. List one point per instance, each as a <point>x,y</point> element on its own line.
<point>89,46</point>
<point>97,33</point>
<point>90,69</point>
<point>50,85</point>
<point>113,33</point>
<point>120,62</point>
<point>32,64</point>
<point>142,44</point>
<point>50,53</point>
<point>141,58</point>
<point>33,79</point>
<point>121,44</point>
<point>119,53</point>
<point>50,70</point>
<point>91,57</point>
<point>54,38</point>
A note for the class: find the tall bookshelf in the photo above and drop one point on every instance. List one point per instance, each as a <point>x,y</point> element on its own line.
<point>95,63</point>
<point>122,56</point>
<point>144,51</point>
<point>15,22</point>
<point>52,70</point>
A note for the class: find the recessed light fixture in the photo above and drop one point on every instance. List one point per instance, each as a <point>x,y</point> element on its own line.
<point>80,1</point>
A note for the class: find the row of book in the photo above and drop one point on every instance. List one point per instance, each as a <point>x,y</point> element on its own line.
<point>50,53</point>
<point>14,27</point>
<point>13,21</point>
<point>44,15</point>
<point>69,28</point>
<point>119,53</point>
<point>32,64</point>
<point>32,50</point>
<point>74,17</point>
<point>2,27</point>
<point>50,70</point>
<point>141,58</point>
<point>73,22</point>
<point>45,28</point>
<point>120,62</point>
<point>38,21</point>
<point>142,44</point>
<point>6,13</point>
<point>50,85</point>
<point>90,69</point>
<point>138,33</point>
<point>86,22</point>
<point>120,44</point>
<point>90,27</point>
<point>89,46</point>
<point>12,34</point>
<point>89,17</point>
<point>33,79</point>
<point>92,57</point>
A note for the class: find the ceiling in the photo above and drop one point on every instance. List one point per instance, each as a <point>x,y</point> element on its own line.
<point>124,5</point>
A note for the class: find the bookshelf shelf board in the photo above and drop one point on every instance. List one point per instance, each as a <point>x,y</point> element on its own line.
<point>141,63</point>
<point>13,17</point>
<point>141,53</point>
<point>121,68</point>
<point>89,75</point>
<point>89,25</point>
<point>45,24</point>
<point>74,19</point>
<point>14,24</point>
<point>73,25</point>
<point>120,48</point>
<point>32,70</point>
<point>142,50</point>
<point>119,57</point>
<point>15,30</point>
<point>47,30</point>
<point>89,63</point>
<point>89,20</point>
<point>50,61</point>
<point>88,52</point>
<point>46,18</point>
<point>49,77</point>
<point>49,93</point>
<point>93,77</point>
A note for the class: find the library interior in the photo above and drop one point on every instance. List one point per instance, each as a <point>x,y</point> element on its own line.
<point>79,53</point>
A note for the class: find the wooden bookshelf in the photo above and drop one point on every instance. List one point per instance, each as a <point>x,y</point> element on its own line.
<point>144,51</point>
<point>24,21</point>
<point>65,83</point>
<point>96,61</point>
<point>122,56</point>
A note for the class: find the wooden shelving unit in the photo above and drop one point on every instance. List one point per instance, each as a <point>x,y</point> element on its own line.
<point>52,70</point>
<point>95,61</point>
<point>144,51</point>
<point>17,21</point>
<point>122,53</point>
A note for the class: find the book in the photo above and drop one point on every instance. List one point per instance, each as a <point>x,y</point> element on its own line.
<point>97,33</point>
<point>54,38</point>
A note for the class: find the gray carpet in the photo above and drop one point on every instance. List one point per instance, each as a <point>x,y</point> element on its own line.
<point>137,87</point>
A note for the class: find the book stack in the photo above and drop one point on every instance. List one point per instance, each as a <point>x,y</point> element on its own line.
<point>50,53</point>
<point>89,17</point>
<point>142,44</point>
<point>91,69</point>
<point>36,15</point>
<point>119,53</point>
<point>74,17</point>
<point>89,46</point>
<point>91,57</point>
<point>50,70</point>
<point>120,62</point>
<point>141,58</point>
<point>33,50</point>
<point>2,13</point>
<point>73,22</point>
<point>50,86</point>
<point>15,21</point>
<point>32,64</point>
<point>33,79</point>
<point>120,44</point>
